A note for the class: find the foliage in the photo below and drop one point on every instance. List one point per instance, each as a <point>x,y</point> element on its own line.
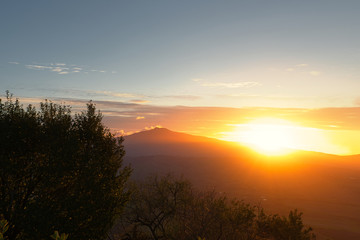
<point>170,208</point>
<point>57,236</point>
<point>59,172</point>
<point>4,226</point>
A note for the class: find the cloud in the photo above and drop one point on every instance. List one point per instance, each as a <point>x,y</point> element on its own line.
<point>152,127</point>
<point>302,65</point>
<point>208,120</point>
<point>119,133</point>
<point>57,69</point>
<point>242,95</point>
<point>197,79</point>
<point>95,70</point>
<point>62,68</point>
<point>140,117</point>
<point>38,67</point>
<point>231,85</point>
<point>184,97</point>
<point>116,94</point>
<point>139,101</point>
<point>91,94</point>
<point>315,73</point>
<point>14,63</point>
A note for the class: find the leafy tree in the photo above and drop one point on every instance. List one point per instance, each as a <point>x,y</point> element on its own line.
<point>170,208</point>
<point>59,172</point>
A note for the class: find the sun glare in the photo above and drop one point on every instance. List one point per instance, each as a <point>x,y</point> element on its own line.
<point>268,135</point>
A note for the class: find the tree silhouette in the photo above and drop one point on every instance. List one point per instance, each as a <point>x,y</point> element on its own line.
<point>58,172</point>
<point>170,208</point>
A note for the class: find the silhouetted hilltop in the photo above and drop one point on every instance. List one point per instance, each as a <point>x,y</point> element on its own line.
<point>161,141</point>
<point>164,135</point>
<point>326,187</point>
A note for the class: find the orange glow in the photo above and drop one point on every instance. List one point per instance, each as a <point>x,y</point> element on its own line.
<point>272,136</point>
<point>330,130</point>
<point>267,135</point>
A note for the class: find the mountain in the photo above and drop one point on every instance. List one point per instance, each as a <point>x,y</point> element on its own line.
<point>161,141</point>
<point>325,187</point>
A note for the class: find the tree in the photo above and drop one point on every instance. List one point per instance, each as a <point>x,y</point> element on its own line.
<point>170,208</point>
<point>59,172</point>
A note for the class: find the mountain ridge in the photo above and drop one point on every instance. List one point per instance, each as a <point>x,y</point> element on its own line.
<point>164,135</point>
<point>324,186</point>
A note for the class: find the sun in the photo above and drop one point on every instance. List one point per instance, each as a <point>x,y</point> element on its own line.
<point>269,136</point>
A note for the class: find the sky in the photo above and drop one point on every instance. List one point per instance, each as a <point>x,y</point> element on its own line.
<point>150,63</point>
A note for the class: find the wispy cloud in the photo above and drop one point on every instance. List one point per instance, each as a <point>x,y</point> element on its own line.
<point>315,73</point>
<point>296,67</point>
<point>231,84</point>
<point>63,68</point>
<point>91,94</point>
<point>59,68</point>
<point>139,101</point>
<point>183,97</point>
<point>302,65</point>
<point>117,94</point>
<point>38,67</point>
<point>303,68</point>
<point>247,84</point>
<point>197,79</point>
<point>140,117</point>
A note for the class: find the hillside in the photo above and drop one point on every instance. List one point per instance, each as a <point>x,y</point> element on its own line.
<point>325,187</point>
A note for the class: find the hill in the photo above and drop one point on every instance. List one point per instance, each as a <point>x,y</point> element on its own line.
<point>325,187</point>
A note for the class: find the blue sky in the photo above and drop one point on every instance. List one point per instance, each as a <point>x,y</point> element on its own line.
<point>193,53</point>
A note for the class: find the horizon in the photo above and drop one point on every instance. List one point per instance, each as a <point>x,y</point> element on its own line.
<point>238,71</point>
<point>241,144</point>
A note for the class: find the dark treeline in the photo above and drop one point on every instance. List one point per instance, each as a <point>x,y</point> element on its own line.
<point>171,208</point>
<point>63,172</point>
<point>58,172</point>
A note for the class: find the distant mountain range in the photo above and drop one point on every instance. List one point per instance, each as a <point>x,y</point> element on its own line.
<point>325,187</point>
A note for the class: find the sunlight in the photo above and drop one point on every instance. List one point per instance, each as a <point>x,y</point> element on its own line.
<point>273,136</point>
<point>268,136</point>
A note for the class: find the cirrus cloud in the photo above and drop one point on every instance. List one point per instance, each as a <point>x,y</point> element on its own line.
<point>231,84</point>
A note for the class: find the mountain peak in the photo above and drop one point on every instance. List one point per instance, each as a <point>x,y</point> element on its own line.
<point>159,134</point>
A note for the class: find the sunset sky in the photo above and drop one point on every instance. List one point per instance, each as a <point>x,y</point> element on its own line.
<point>212,68</point>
